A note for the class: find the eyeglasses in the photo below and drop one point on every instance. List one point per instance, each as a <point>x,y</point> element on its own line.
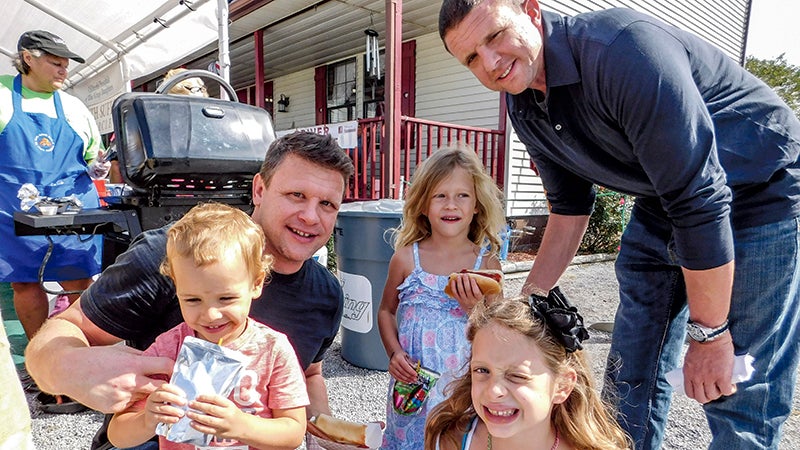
<point>195,89</point>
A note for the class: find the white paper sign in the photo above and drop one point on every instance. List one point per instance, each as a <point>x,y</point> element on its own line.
<point>357,314</point>
<point>345,133</point>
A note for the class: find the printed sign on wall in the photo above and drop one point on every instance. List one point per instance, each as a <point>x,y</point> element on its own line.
<point>99,93</point>
<point>345,133</point>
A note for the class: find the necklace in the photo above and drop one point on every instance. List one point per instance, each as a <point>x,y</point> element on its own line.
<point>489,442</point>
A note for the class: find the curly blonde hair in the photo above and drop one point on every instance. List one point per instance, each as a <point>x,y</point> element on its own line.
<point>487,222</point>
<point>190,86</point>
<point>583,419</point>
<point>208,230</point>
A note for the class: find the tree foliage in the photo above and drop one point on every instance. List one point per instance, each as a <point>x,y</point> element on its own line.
<point>779,74</point>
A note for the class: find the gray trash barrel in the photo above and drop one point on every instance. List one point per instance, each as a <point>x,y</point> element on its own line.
<point>363,250</point>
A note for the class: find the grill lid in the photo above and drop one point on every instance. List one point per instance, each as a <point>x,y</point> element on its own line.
<point>162,138</point>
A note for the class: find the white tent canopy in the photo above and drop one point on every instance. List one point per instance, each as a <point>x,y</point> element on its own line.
<point>120,40</point>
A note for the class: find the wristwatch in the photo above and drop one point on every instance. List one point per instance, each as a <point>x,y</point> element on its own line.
<point>705,334</point>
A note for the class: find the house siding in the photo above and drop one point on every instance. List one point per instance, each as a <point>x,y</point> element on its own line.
<point>299,87</point>
<point>721,22</point>
<point>448,92</point>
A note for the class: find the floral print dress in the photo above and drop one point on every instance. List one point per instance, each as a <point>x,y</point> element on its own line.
<point>432,330</point>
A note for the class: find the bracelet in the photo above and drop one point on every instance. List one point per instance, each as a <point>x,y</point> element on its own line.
<point>390,356</point>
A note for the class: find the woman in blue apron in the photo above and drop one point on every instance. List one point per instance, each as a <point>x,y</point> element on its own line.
<point>47,152</point>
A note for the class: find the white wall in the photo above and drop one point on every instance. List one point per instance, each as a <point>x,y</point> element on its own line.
<point>524,190</point>
<point>299,87</point>
<point>448,92</point>
<point>720,22</point>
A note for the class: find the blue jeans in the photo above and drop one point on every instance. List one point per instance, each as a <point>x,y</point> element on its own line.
<point>650,328</point>
<point>149,445</point>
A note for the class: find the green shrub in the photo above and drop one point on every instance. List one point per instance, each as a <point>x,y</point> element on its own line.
<point>331,255</point>
<point>611,214</point>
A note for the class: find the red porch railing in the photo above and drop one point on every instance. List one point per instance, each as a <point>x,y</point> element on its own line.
<point>419,138</point>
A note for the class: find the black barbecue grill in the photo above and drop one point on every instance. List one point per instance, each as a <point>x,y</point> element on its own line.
<point>176,151</point>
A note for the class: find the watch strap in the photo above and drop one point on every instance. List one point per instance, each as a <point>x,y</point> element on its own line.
<point>710,334</point>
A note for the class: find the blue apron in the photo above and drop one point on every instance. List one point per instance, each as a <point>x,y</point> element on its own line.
<point>36,148</point>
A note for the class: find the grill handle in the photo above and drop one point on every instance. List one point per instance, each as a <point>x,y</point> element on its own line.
<point>167,85</point>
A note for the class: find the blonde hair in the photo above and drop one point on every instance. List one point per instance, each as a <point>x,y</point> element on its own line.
<point>487,222</point>
<point>583,419</point>
<point>209,230</point>
<point>187,86</point>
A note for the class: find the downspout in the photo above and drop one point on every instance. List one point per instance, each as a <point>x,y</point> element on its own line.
<point>743,54</point>
<point>391,140</point>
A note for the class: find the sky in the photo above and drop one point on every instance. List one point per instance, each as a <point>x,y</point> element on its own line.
<point>774,29</point>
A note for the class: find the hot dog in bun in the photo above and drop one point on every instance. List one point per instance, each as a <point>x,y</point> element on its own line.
<point>345,432</point>
<point>489,281</point>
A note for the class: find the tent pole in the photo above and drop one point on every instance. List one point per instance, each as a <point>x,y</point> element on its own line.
<point>224,55</point>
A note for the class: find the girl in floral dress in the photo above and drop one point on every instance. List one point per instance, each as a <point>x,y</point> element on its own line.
<point>452,209</point>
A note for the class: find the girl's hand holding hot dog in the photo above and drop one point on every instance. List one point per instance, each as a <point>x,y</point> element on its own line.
<point>471,286</point>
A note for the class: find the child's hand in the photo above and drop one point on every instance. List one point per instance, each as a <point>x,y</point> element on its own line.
<point>160,405</point>
<point>401,368</point>
<point>466,291</point>
<point>215,414</point>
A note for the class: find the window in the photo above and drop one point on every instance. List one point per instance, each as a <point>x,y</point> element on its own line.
<point>342,91</point>
<point>374,89</point>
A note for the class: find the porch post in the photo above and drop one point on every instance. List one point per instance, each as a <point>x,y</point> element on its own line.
<point>391,138</point>
<point>502,120</point>
<point>258,46</point>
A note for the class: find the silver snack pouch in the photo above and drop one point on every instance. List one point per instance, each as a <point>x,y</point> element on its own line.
<point>201,368</point>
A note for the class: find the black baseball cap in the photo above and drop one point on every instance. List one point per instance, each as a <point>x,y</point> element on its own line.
<point>46,42</point>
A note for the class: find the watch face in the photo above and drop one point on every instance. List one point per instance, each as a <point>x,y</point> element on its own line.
<point>696,333</point>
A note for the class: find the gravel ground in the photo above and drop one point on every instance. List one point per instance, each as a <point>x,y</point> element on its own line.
<point>359,394</point>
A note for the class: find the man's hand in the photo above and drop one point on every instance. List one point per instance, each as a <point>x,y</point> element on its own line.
<point>111,378</point>
<point>72,356</point>
<point>708,369</point>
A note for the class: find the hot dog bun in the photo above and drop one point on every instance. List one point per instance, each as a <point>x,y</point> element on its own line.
<point>489,281</point>
<point>341,431</point>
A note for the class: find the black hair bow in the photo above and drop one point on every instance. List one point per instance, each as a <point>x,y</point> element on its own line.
<point>561,318</point>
